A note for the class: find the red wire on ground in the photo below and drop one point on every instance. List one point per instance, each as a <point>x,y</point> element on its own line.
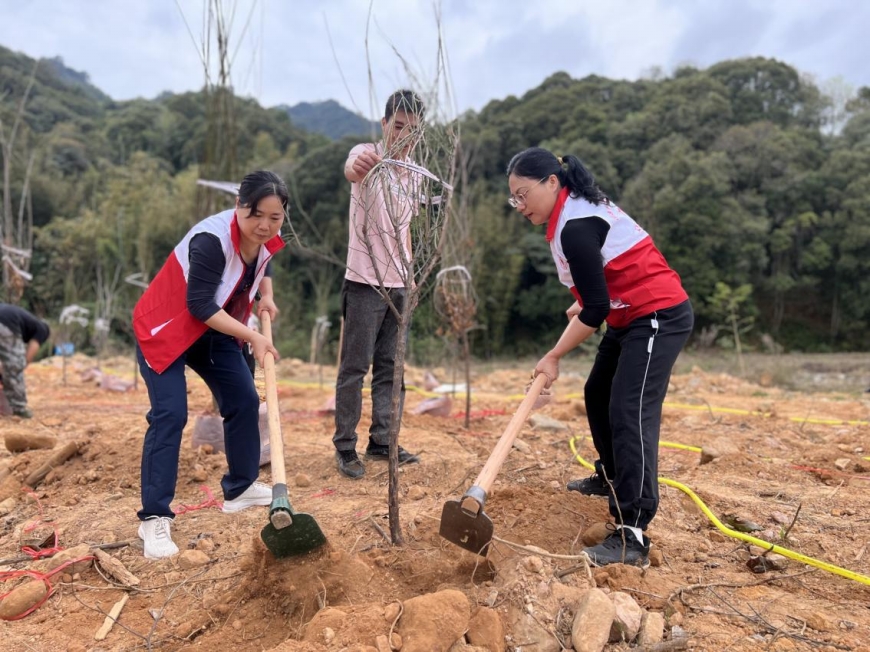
<point>42,552</point>
<point>44,577</point>
<point>210,501</point>
<point>322,493</point>
<point>38,554</point>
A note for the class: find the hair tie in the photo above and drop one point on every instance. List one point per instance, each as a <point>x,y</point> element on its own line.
<point>561,162</point>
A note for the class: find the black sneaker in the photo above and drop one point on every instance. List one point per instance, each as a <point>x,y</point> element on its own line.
<point>382,453</point>
<point>594,485</point>
<point>614,551</point>
<point>349,464</point>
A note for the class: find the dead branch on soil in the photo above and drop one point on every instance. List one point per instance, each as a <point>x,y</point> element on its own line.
<point>584,566</point>
<point>111,618</point>
<point>380,530</point>
<point>791,525</point>
<point>106,614</point>
<point>162,609</point>
<point>755,617</point>
<point>102,546</point>
<point>56,459</point>
<point>534,550</point>
<point>734,585</point>
<point>116,569</point>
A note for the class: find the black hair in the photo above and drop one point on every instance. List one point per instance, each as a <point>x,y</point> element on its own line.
<point>404,100</point>
<point>539,163</point>
<point>261,184</point>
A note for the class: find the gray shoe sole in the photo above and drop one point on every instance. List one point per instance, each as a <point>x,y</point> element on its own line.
<point>347,470</point>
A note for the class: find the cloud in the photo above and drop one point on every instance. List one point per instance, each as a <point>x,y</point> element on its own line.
<point>496,48</point>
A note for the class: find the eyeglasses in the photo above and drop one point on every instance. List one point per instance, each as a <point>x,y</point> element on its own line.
<point>519,199</point>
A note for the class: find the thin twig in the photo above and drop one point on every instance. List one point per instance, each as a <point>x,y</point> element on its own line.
<point>539,551</point>
<point>380,530</point>
<point>393,625</point>
<point>171,595</point>
<point>791,525</point>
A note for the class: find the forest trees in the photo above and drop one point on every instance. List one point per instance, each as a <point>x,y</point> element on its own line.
<point>734,169</point>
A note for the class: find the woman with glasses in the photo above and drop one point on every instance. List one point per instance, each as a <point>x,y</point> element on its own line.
<point>617,276</point>
<point>193,314</point>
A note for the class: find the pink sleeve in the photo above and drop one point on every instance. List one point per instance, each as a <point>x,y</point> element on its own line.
<point>356,151</point>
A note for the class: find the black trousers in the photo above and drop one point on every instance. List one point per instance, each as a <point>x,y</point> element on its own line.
<point>624,395</point>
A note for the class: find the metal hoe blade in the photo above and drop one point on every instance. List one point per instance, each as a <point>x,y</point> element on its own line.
<point>472,532</point>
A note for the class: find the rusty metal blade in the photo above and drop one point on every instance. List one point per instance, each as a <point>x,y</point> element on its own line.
<point>472,532</point>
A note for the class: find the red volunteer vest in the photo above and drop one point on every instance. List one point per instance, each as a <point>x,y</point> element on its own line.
<point>639,280</point>
<point>164,328</point>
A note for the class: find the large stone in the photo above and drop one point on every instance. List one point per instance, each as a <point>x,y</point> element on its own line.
<point>543,422</point>
<point>568,596</point>
<point>708,454</point>
<point>652,629</point>
<point>627,619</point>
<point>7,505</point>
<point>525,629</point>
<point>433,622</point>
<point>330,619</point>
<point>192,559</point>
<point>819,621</point>
<point>17,442</point>
<point>22,598</point>
<point>485,629</point>
<point>592,622</point>
<point>70,554</point>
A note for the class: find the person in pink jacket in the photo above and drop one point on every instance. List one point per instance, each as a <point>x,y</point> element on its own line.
<point>194,314</point>
<point>378,253</point>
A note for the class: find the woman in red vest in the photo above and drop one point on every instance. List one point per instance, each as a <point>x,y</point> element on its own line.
<point>194,314</point>
<point>618,276</point>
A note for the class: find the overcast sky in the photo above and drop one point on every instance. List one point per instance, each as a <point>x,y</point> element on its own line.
<point>496,48</point>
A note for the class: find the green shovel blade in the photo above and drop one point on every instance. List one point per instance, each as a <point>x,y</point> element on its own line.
<point>299,538</point>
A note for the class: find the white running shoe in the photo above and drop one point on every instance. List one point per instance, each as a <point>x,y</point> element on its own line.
<point>155,532</point>
<point>258,494</point>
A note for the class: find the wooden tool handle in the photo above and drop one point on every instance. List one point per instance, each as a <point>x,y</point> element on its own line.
<point>503,447</point>
<point>276,440</point>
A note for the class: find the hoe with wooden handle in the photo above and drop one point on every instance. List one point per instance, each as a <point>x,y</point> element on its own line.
<point>463,521</point>
<point>287,532</point>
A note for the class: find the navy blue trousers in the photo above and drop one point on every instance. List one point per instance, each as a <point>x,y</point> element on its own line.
<point>218,359</point>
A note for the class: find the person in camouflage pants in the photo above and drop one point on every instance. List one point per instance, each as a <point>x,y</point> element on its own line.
<point>21,335</point>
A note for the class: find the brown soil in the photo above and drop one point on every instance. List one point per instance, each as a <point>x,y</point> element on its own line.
<point>245,600</point>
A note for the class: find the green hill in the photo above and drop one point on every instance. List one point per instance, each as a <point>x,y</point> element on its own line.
<point>330,119</point>
<point>59,94</point>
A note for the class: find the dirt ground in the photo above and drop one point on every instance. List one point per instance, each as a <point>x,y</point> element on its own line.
<point>779,453</point>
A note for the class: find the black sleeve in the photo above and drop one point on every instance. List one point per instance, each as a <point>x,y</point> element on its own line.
<point>268,271</point>
<point>33,328</point>
<point>207,264</point>
<point>582,240</point>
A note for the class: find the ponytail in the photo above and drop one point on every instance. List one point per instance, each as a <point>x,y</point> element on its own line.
<point>579,181</point>
<point>539,163</point>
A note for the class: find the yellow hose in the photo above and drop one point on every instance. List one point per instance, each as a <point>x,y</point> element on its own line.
<point>785,552</point>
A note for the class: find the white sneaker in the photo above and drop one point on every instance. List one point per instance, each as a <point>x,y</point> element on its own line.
<point>258,494</point>
<point>155,532</point>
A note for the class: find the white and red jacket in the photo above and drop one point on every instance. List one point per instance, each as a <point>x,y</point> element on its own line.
<point>638,278</point>
<point>164,327</point>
